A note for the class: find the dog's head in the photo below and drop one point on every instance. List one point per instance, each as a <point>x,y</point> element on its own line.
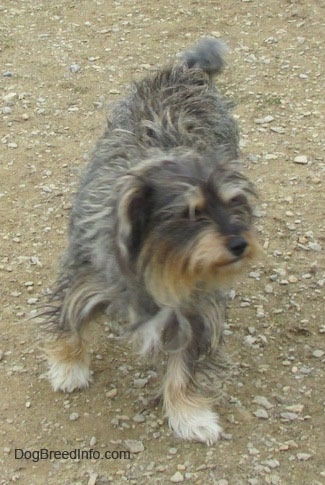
<point>182,225</point>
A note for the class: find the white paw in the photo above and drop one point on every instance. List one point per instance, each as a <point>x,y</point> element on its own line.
<point>67,377</point>
<point>196,425</point>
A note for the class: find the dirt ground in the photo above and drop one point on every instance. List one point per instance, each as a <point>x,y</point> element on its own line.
<point>61,64</point>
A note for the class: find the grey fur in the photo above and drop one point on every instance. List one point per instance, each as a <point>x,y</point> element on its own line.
<point>168,135</point>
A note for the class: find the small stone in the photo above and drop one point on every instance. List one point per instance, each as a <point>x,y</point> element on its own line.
<point>255,274</point>
<point>74,68</point>
<point>134,446</point>
<point>112,393</point>
<point>47,189</point>
<point>74,416</point>
<point>266,119</point>
<point>28,404</point>
<point>268,289</point>
<point>289,416</point>
<point>7,98</point>
<point>278,129</point>
<point>32,301</point>
<point>93,441</point>
<point>273,463</point>
<point>292,279</point>
<point>318,354</point>
<point>296,408</point>
<point>253,451</point>
<point>6,110</point>
<point>172,451</point>
<point>262,401</point>
<point>139,383</point>
<point>139,418</point>
<point>261,414</point>
<point>271,156</point>
<point>303,456</point>
<point>301,159</point>
<point>177,478</point>
<point>92,478</point>
<point>314,246</point>
<point>249,340</point>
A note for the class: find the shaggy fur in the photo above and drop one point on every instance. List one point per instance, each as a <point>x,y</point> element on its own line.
<point>160,225</point>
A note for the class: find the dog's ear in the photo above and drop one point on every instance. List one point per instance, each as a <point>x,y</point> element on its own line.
<point>133,216</point>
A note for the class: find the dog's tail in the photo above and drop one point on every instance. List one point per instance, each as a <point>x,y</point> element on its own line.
<point>207,55</point>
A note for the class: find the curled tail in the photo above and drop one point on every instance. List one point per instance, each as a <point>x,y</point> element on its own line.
<point>207,55</point>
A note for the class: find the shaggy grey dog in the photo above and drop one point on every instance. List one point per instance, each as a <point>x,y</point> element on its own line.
<point>161,223</point>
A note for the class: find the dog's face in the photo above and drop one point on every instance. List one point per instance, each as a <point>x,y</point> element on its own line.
<point>181,227</point>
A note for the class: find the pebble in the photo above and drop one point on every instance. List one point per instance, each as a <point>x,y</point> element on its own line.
<point>314,246</point>
<point>172,451</point>
<point>266,119</point>
<point>74,416</point>
<point>92,478</point>
<point>262,401</point>
<point>177,477</point>
<point>302,159</point>
<point>278,129</point>
<point>303,456</point>
<point>273,463</point>
<point>134,446</point>
<point>74,68</point>
<point>255,274</point>
<point>93,441</point>
<point>318,354</point>
<point>261,414</point>
<point>292,279</point>
<point>7,98</point>
<point>139,383</point>
<point>112,393</point>
<point>139,418</point>
<point>32,301</point>
<point>289,416</point>
<point>288,445</point>
<point>296,408</point>
<point>268,289</point>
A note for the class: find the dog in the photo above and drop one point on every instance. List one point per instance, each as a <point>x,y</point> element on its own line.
<point>161,224</point>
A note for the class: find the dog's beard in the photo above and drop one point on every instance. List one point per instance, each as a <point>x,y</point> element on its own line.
<point>172,274</point>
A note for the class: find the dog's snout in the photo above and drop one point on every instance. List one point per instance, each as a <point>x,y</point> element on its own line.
<point>237,245</point>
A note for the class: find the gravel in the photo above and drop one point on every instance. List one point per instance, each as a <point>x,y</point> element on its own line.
<point>61,66</point>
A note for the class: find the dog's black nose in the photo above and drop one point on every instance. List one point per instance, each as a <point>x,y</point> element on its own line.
<point>237,245</point>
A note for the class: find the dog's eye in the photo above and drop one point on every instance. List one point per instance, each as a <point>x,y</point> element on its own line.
<point>194,212</point>
<point>237,200</point>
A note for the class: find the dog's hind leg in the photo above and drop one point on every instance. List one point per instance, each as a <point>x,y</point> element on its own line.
<point>67,352</point>
<point>189,413</point>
